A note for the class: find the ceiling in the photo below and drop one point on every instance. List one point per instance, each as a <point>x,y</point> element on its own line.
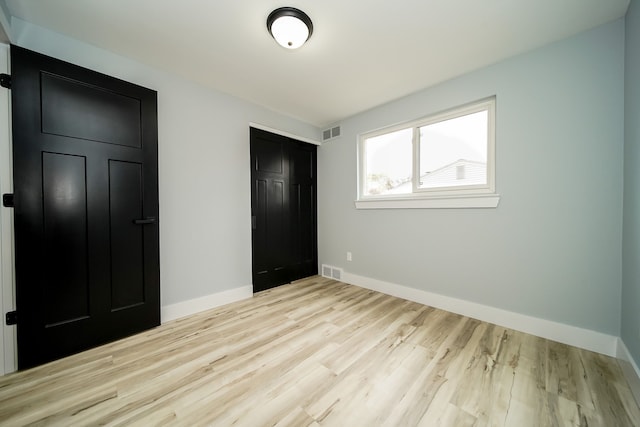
<point>362,53</point>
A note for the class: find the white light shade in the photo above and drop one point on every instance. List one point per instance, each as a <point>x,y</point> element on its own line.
<point>289,32</point>
<point>290,27</point>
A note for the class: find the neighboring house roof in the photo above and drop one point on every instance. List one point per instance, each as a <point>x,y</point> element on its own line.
<point>458,173</point>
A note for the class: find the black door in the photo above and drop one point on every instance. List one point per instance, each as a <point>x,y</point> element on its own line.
<point>86,207</point>
<point>283,209</point>
<point>302,221</point>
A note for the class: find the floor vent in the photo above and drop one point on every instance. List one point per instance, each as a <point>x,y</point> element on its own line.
<point>328,134</point>
<point>331,272</point>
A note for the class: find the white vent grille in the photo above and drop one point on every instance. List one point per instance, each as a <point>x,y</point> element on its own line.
<point>331,272</point>
<point>326,271</point>
<point>328,134</point>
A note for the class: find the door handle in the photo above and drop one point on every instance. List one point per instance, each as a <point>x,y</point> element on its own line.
<point>144,221</point>
<point>253,222</point>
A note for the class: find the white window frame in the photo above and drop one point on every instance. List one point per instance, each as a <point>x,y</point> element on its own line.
<point>469,196</point>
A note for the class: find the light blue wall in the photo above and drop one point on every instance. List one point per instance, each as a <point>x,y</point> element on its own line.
<point>631,240</point>
<point>552,248</point>
<point>204,173</point>
<point>5,31</point>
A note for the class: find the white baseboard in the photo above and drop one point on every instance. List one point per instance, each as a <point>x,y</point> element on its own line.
<point>196,305</point>
<point>567,334</point>
<point>630,369</point>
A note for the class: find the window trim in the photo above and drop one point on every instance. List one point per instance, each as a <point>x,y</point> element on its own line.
<point>478,195</point>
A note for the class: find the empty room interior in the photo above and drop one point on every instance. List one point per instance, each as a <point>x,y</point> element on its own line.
<point>401,214</point>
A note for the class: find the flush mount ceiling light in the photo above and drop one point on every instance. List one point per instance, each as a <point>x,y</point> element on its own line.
<point>290,27</point>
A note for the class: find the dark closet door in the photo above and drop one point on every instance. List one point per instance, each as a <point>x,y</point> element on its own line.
<point>302,196</point>
<point>86,207</point>
<point>283,205</point>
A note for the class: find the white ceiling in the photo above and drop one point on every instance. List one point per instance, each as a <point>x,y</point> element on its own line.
<point>362,53</point>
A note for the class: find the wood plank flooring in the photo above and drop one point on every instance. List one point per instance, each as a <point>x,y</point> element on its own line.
<point>323,353</point>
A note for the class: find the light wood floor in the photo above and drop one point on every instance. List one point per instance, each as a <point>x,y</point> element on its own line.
<point>323,353</point>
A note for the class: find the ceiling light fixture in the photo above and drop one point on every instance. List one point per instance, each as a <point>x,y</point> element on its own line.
<point>290,27</point>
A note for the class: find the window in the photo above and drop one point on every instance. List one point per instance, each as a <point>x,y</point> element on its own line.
<point>445,160</point>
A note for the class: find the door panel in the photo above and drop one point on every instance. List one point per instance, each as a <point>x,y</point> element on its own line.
<point>85,168</point>
<point>276,223</point>
<point>284,245</point>
<point>64,198</point>
<point>269,157</point>
<point>68,109</point>
<point>127,238</point>
<point>259,234</point>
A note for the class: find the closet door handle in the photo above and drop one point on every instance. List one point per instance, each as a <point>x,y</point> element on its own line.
<point>144,221</point>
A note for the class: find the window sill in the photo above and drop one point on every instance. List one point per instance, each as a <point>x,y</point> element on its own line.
<point>442,202</point>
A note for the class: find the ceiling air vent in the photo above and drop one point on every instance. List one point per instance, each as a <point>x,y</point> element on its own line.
<point>328,134</point>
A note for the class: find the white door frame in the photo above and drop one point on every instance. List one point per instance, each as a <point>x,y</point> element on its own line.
<point>7,277</point>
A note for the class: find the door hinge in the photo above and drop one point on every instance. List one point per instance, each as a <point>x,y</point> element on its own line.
<point>11,318</point>
<point>5,80</point>
<point>7,200</point>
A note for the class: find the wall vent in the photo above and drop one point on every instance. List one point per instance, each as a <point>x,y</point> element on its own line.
<point>331,272</point>
<point>328,134</point>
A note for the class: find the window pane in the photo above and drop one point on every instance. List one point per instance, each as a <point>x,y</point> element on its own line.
<point>388,163</point>
<point>454,152</point>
